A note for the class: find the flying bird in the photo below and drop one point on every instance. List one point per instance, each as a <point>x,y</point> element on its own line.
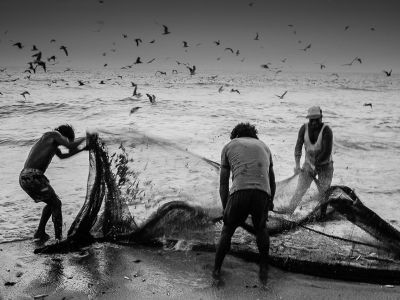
<point>152,41</point>
<point>185,44</point>
<point>124,35</point>
<point>235,91</point>
<point>192,70</point>
<point>151,60</point>
<point>217,42</point>
<point>166,31</point>
<point>281,96</point>
<point>161,73</point>
<point>228,49</point>
<point>64,49</point>
<point>346,27</point>
<point>152,98</point>
<point>321,66</point>
<point>256,38</point>
<point>388,73</point>
<point>19,45</point>
<point>81,82</point>
<point>138,61</point>
<point>368,104</point>
<point>34,48</point>
<point>134,109</point>
<point>135,93</point>
<point>138,41</point>
<point>23,94</point>
<point>306,48</point>
<point>221,88</point>
<point>265,66</point>
<point>53,57</point>
<point>52,41</point>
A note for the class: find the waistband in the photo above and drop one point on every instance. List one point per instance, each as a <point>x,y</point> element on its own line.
<point>30,171</point>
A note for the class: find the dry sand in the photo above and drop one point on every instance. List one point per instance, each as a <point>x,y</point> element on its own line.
<point>110,271</point>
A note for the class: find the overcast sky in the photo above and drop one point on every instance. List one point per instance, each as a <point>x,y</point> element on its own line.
<point>93,31</point>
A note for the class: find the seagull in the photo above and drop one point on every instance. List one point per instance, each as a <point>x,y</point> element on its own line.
<point>124,35</point>
<point>235,91</point>
<point>281,96</point>
<point>138,41</point>
<point>34,48</point>
<point>192,70</point>
<point>368,104</point>
<point>256,38</point>
<point>237,52</point>
<point>229,49</point>
<point>135,93</point>
<point>346,27</point>
<point>138,61</point>
<point>152,41</point>
<point>24,93</point>
<point>19,45</point>
<point>152,98</point>
<point>81,82</point>
<point>119,76</point>
<point>42,64</point>
<point>161,73</point>
<point>321,65</point>
<point>64,49</point>
<point>174,71</point>
<point>388,73</point>
<point>134,109</point>
<point>307,47</point>
<point>221,88</point>
<point>102,82</point>
<point>265,66</point>
<point>166,31</point>
<point>151,60</point>
<point>52,58</point>
<point>52,41</point>
<point>185,44</point>
<point>217,42</point>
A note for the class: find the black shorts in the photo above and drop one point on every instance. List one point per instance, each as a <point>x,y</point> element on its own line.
<point>244,202</point>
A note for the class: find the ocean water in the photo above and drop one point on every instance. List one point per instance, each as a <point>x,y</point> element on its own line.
<point>191,119</point>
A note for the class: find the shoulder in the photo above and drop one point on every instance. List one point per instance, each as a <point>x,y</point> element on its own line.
<point>327,131</point>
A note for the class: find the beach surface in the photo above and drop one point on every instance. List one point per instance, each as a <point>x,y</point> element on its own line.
<point>111,271</point>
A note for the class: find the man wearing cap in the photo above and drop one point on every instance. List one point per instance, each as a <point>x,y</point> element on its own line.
<point>317,138</point>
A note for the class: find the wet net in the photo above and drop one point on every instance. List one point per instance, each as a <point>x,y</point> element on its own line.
<point>183,212</point>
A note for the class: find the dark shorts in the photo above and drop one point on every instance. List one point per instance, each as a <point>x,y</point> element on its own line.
<point>243,203</point>
<point>36,185</point>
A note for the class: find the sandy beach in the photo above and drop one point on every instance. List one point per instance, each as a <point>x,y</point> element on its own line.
<point>110,271</point>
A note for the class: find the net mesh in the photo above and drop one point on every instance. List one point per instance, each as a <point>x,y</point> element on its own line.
<point>349,229</point>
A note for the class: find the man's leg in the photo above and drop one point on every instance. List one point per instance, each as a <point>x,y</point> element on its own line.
<point>325,175</point>
<point>223,248</point>
<point>303,184</point>
<point>41,231</point>
<point>56,216</point>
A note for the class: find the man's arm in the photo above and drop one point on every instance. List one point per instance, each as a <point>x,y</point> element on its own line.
<point>272,182</point>
<point>327,141</point>
<point>63,141</point>
<point>299,147</point>
<point>224,184</point>
<point>70,153</point>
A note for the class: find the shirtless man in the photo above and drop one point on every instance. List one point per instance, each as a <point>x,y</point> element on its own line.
<point>317,138</point>
<point>35,183</point>
<point>252,191</point>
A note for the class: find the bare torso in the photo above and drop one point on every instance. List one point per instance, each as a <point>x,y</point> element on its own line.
<point>42,152</point>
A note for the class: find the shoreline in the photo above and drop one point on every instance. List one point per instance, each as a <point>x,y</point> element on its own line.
<point>111,271</point>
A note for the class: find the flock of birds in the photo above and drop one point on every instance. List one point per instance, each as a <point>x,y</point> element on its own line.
<point>39,61</point>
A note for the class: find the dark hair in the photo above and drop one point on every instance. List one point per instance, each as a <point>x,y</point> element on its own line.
<point>67,131</point>
<point>244,130</point>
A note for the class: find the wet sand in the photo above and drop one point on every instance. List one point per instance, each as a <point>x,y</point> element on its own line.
<point>110,271</point>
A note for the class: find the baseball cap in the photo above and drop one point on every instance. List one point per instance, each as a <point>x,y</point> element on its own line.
<point>314,112</point>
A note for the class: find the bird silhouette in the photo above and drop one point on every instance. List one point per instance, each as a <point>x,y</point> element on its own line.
<point>138,41</point>
<point>19,45</point>
<point>346,27</point>
<point>321,65</point>
<point>124,35</point>
<point>135,93</point>
<point>52,41</point>
<point>221,88</point>
<point>134,109</point>
<point>228,49</point>
<point>64,49</point>
<point>102,82</point>
<point>53,57</point>
<point>166,31</point>
<point>237,52</point>
<point>152,98</point>
<point>161,73</point>
<point>217,42</point>
<point>284,60</point>
<point>265,66</point>
<point>138,61</point>
<point>235,91</point>
<point>306,47</point>
<point>192,70</point>
<point>368,104</point>
<point>388,73</point>
<point>81,82</point>
<point>281,96</point>
<point>23,94</point>
<point>151,60</point>
<point>119,76</point>
<point>185,44</point>
<point>34,48</point>
<point>256,38</point>
<point>152,41</point>
<point>42,64</point>
<point>133,84</point>
<point>38,56</point>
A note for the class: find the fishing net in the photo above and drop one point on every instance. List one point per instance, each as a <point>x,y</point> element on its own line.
<point>181,210</point>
